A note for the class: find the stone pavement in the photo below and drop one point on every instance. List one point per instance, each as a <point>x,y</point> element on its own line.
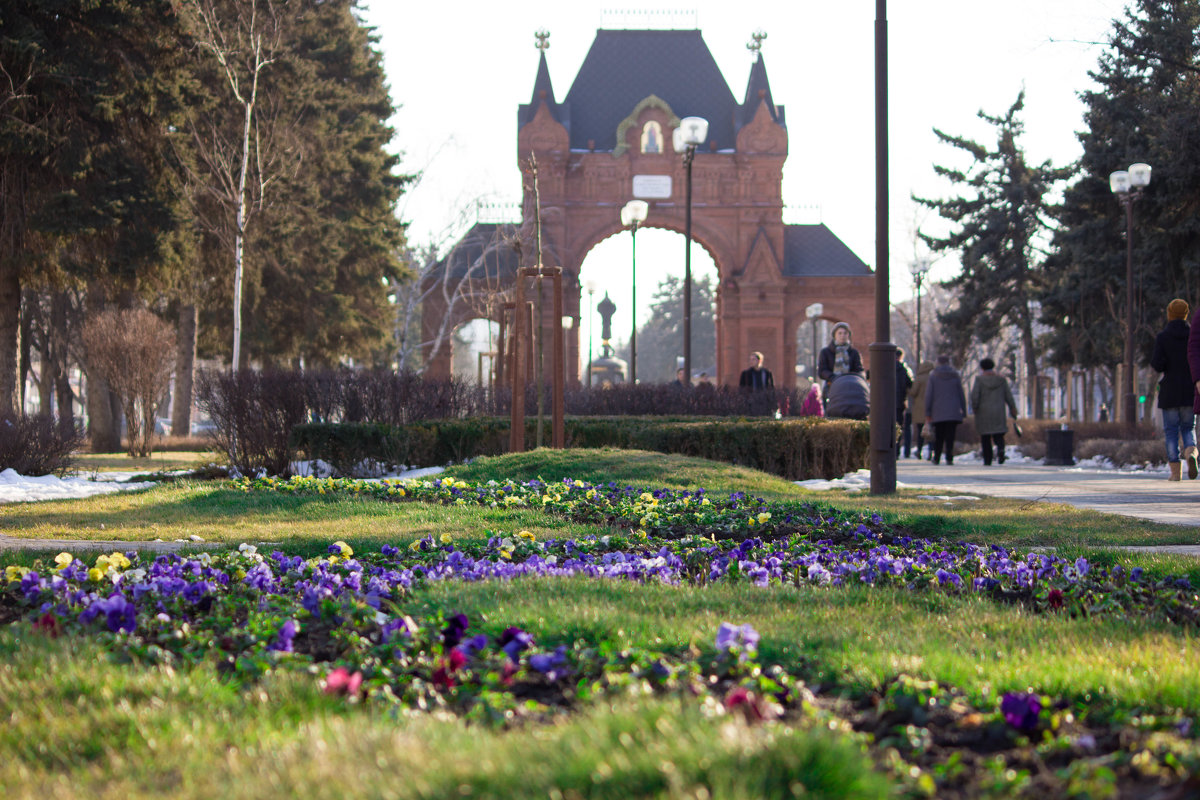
<point>1133,494</point>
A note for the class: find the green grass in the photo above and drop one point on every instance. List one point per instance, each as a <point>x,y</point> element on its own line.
<point>632,467</point>
<point>87,463</point>
<point>219,514</point>
<point>78,725</point>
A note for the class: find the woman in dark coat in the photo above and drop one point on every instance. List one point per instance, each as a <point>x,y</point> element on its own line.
<point>838,357</point>
<point>1176,390</point>
<point>945,407</point>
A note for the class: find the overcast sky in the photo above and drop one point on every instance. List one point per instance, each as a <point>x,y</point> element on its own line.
<point>458,72</point>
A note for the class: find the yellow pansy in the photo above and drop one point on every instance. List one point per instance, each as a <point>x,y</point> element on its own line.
<point>763,517</point>
<point>345,549</point>
<point>446,538</point>
<point>63,560</point>
<point>526,535</point>
<point>95,574</point>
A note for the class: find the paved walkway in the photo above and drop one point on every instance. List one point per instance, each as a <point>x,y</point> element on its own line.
<point>1132,494</point>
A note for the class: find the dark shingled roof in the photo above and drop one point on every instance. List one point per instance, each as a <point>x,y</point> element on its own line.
<point>814,251</point>
<point>484,251</point>
<point>758,83</point>
<point>542,84</point>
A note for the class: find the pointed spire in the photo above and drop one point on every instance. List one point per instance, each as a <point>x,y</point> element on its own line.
<point>542,88</point>
<point>758,89</point>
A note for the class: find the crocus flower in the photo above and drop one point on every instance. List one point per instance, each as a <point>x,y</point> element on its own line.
<point>1055,598</point>
<point>1021,710</point>
<point>455,627</point>
<point>283,640</point>
<point>48,624</point>
<point>739,639</point>
<point>340,681</point>
<point>513,641</point>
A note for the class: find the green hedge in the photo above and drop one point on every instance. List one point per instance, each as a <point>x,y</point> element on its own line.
<point>796,449</point>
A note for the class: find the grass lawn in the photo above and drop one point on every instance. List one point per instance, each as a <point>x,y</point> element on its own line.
<point>81,720</point>
<point>159,461</point>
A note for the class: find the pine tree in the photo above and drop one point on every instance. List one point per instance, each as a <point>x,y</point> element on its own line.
<point>999,221</point>
<point>1144,108</point>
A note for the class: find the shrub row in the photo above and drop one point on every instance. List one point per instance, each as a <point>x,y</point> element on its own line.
<point>796,449</point>
<point>38,444</point>
<point>253,412</point>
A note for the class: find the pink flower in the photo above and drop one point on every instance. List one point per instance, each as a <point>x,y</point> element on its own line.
<point>48,624</point>
<point>1055,598</point>
<point>741,700</point>
<point>340,681</point>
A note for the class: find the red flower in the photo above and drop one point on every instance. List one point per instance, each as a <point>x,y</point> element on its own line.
<point>1055,598</point>
<point>443,676</point>
<point>48,624</point>
<point>340,681</point>
<point>741,700</point>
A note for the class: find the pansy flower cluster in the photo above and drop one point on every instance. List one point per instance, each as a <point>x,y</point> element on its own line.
<point>738,537</point>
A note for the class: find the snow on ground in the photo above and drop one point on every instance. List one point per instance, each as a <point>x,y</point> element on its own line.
<point>17,488</point>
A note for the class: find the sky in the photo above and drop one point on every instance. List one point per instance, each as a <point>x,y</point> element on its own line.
<point>458,71</point>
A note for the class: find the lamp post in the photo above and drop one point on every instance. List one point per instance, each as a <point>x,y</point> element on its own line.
<point>632,215</point>
<point>1127,185</point>
<point>814,312</point>
<point>591,290</point>
<point>919,269</point>
<point>687,137</point>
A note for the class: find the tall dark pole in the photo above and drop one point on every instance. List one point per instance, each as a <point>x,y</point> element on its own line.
<point>816,355</point>
<point>1130,406</point>
<point>883,351</point>
<point>920,276</point>
<point>688,155</point>
<point>633,310</point>
<point>591,327</point>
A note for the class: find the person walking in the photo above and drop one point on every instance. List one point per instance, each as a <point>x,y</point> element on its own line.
<point>1176,390</point>
<point>904,382</point>
<point>990,397</point>
<point>945,407</point>
<point>838,357</point>
<point>756,378</point>
<point>916,404</point>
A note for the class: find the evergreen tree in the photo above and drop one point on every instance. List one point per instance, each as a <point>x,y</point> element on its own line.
<point>84,185</point>
<point>998,222</point>
<point>1143,109</point>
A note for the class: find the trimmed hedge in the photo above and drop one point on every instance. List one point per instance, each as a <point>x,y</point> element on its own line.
<point>796,449</point>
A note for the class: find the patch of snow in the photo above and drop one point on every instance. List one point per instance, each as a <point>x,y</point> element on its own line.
<point>851,482</point>
<point>17,488</point>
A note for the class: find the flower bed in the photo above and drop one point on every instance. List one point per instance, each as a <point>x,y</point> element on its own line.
<point>339,618</point>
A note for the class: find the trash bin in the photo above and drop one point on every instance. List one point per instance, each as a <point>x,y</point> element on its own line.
<point>1060,447</point>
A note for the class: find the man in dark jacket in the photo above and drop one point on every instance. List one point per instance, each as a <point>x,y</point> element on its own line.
<point>757,378</point>
<point>1176,389</point>
<point>945,407</point>
<point>904,381</point>
<point>838,357</point>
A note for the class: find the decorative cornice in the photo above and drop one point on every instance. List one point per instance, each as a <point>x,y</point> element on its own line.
<point>653,101</point>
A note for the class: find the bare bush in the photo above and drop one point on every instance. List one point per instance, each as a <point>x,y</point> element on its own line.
<point>37,445</point>
<point>134,351</point>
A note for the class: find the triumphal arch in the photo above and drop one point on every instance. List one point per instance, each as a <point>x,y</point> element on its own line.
<point>609,140</point>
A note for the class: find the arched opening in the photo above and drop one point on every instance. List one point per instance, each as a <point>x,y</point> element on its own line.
<point>608,268</point>
<point>472,350</point>
<point>811,335</point>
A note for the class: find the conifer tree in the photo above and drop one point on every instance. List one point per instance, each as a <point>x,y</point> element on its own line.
<point>998,222</point>
<point>1144,109</point>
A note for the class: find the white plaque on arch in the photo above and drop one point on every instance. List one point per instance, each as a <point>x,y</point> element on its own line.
<point>652,186</point>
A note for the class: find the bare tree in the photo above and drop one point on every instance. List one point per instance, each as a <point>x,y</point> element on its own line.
<point>134,351</point>
<point>470,275</point>
<point>244,37</point>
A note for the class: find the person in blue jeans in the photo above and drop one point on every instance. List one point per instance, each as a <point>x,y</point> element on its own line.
<point>1176,390</point>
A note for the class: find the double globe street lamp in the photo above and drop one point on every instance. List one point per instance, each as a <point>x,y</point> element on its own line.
<point>690,134</point>
<point>632,215</point>
<point>1127,185</point>
<point>919,269</point>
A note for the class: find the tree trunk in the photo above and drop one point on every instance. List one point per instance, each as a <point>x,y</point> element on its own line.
<point>185,370</point>
<point>104,422</point>
<point>59,336</point>
<point>10,339</point>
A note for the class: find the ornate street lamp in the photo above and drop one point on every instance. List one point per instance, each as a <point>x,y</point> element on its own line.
<point>632,215</point>
<point>919,269</point>
<point>591,290</point>
<point>690,134</point>
<point>1127,185</point>
<point>814,312</point>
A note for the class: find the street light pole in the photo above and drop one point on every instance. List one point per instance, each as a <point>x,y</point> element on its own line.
<point>918,269</point>
<point>634,214</point>
<point>690,134</point>
<point>883,351</point>
<point>591,290</point>
<point>1127,185</point>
